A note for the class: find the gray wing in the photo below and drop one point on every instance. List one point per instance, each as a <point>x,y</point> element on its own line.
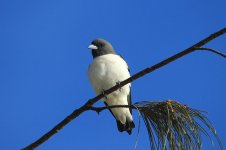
<point>128,96</point>
<point>125,61</point>
<point>129,100</point>
<point>110,110</point>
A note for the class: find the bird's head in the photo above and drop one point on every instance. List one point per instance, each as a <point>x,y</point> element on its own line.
<point>101,47</point>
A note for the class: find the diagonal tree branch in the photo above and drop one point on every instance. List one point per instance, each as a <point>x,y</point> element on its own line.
<point>90,102</point>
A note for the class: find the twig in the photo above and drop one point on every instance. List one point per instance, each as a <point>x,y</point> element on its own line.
<point>90,102</point>
<point>211,50</point>
<point>99,109</point>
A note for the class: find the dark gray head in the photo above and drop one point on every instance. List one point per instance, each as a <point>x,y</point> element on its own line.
<point>101,47</point>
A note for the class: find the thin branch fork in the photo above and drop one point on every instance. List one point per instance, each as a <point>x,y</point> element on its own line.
<point>90,102</point>
<point>211,50</point>
<point>99,109</point>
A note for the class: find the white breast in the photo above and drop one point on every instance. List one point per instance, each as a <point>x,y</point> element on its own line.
<point>106,70</point>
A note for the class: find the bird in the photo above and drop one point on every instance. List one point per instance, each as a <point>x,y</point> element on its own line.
<point>106,70</point>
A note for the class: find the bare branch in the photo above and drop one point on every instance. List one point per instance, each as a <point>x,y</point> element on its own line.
<point>211,50</point>
<point>90,102</point>
<point>99,109</point>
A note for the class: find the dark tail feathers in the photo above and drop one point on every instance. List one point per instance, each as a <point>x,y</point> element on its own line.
<point>128,126</point>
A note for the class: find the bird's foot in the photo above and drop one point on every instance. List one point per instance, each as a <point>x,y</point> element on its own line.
<point>119,84</point>
<point>103,92</point>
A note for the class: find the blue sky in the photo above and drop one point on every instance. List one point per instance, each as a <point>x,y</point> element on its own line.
<point>44,60</point>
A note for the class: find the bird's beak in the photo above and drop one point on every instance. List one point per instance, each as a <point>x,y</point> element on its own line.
<point>92,47</point>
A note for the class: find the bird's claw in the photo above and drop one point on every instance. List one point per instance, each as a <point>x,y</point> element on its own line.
<point>105,96</point>
<point>119,84</point>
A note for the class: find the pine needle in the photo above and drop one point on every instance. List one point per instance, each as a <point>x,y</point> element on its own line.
<point>174,126</point>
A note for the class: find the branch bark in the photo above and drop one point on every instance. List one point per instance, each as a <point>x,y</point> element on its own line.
<point>90,102</point>
<point>99,109</point>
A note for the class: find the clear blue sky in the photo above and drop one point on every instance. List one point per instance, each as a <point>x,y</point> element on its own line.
<point>44,60</point>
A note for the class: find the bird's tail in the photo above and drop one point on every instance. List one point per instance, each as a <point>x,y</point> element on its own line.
<point>128,126</point>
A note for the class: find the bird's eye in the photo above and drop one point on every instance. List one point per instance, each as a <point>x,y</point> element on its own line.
<point>101,44</point>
